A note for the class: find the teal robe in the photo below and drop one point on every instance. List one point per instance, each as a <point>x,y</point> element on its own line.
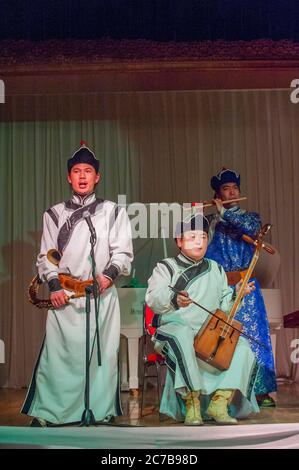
<point>206,283</point>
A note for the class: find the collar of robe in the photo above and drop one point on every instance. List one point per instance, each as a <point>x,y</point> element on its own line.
<point>83,200</point>
<point>188,260</point>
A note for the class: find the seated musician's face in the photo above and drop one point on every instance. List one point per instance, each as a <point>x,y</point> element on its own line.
<point>229,191</point>
<point>193,244</point>
<point>83,178</point>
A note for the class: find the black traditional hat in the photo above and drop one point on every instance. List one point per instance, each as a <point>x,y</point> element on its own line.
<point>225,176</point>
<point>83,155</point>
<point>196,222</point>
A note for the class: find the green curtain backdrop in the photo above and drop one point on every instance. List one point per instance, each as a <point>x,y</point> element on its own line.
<point>153,147</point>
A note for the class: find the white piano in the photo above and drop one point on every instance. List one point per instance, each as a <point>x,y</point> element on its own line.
<point>273,304</point>
<point>131,307</point>
<point>131,302</point>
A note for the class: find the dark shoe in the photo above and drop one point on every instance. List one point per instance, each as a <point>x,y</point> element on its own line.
<point>109,419</point>
<point>38,423</point>
<point>265,401</point>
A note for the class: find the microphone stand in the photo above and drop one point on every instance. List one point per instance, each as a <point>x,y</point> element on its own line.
<point>96,296</point>
<point>88,418</point>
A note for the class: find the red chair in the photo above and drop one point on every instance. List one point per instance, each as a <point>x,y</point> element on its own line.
<point>150,358</point>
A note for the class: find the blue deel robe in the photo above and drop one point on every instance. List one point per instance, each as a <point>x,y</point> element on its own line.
<point>229,249</point>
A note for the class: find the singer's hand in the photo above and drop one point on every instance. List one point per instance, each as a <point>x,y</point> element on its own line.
<point>58,298</point>
<point>103,282</point>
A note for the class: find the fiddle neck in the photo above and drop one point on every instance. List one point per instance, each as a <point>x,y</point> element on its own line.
<point>240,294</point>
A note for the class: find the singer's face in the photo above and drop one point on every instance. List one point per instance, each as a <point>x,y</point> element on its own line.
<point>83,178</point>
<point>193,244</point>
<point>229,191</point>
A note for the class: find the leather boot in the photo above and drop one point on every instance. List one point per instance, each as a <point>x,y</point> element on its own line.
<point>218,407</point>
<point>193,416</point>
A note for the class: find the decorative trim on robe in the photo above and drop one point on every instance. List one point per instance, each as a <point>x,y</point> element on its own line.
<point>175,347</point>
<point>66,230</point>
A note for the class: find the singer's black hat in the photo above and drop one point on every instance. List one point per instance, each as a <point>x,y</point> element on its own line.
<point>83,155</point>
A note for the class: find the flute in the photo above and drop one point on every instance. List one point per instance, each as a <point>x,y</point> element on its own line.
<point>204,204</point>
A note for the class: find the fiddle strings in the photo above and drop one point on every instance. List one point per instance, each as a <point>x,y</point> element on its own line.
<point>239,297</point>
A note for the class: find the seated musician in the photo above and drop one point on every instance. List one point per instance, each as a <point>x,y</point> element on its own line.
<point>194,389</point>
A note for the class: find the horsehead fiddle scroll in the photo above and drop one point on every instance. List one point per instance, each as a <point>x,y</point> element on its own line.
<point>67,282</point>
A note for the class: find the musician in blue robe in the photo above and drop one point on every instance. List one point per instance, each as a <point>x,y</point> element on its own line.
<point>229,249</point>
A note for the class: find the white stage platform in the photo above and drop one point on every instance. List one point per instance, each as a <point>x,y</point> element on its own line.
<point>260,436</point>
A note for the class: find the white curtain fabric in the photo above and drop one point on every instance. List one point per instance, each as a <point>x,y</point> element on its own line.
<point>153,147</point>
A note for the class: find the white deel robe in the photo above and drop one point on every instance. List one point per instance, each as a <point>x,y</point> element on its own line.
<point>206,283</point>
<point>56,392</point>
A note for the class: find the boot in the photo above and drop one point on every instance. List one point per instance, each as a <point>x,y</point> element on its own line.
<point>265,401</point>
<point>38,423</point>
<point>193,416</point>
<point>218,407</point>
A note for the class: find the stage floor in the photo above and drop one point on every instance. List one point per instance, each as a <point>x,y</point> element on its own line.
<point>275,428</point>
<point>286,411</point>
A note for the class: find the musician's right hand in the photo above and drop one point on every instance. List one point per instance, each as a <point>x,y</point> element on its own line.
<point>218,203</point>
<point>58,298</point>
<point>183,299</point>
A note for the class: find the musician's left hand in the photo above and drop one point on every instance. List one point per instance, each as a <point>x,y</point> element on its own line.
<point>249,288</point>
<point>103,282</point>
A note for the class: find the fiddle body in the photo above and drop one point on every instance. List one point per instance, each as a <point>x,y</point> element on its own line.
<point>216,342</point>
<point>217,339</point>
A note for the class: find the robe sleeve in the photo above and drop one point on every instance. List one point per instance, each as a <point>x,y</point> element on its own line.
<point>48,272</point>
<point>228,294</point>
<point>158,295</point>
<point>248,223</point>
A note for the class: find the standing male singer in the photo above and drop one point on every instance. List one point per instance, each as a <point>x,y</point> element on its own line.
<point>56,392</point>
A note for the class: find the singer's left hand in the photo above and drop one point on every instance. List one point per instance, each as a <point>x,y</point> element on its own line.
<point>103,282</point>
